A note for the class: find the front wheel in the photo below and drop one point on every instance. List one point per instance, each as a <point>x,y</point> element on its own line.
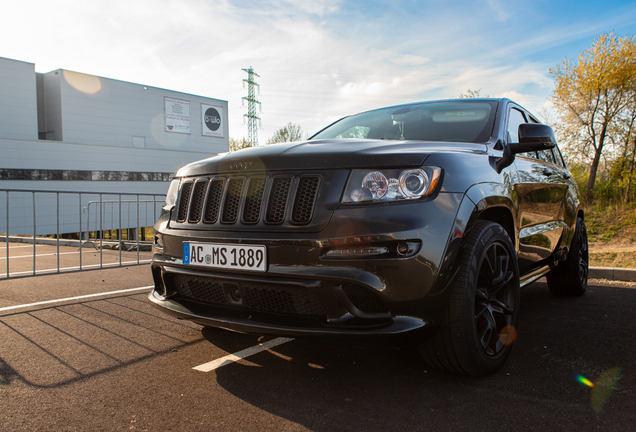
<point>569,278</point>
<point>477,332</point>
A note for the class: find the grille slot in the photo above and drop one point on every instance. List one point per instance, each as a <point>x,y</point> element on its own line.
<point>305,200</point>
<point>232,200</point>
<point>278,200</point>
<point>254,200</point>
<point>186,190</point>
<point>259,296</point>
<point>213,202</point>
<point>364,299</point>
<point>196,203</point>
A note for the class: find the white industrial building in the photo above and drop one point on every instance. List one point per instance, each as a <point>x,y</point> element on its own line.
<point>68,131</point>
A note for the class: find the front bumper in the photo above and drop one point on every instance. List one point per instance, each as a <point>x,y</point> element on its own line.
<point>305,294</point>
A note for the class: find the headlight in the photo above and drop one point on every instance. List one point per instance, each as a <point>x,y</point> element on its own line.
<point>391,185</point>
<point>171,196</point>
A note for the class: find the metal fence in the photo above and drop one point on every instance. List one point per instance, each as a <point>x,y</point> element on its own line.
<point>79,218</point>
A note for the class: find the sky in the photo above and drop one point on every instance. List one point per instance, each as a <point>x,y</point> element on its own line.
<point>318,60</point>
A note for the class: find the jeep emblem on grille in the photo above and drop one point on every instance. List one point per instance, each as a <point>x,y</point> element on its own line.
<point>241,165</point>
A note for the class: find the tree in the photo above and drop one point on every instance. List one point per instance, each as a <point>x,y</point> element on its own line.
<point>471,94</point>
<point>591,94</point>
<point>239,144</point>
<point>289,133</point>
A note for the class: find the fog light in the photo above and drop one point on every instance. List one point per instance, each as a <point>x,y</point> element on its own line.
<point>402,248</point>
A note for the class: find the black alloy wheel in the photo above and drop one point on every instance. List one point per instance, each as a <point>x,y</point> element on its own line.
<point>495,300</point>
<point>479,328</point>
<point>569,278</point>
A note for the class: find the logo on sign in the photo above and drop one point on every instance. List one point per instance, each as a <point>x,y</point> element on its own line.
<point>208,259</point>
<point>212,119</point>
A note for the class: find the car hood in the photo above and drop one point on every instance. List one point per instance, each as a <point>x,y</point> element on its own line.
<point>326,154</point>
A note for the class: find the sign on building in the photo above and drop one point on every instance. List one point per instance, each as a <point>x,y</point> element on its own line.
<point>177,115</point>
<point>212,121</point>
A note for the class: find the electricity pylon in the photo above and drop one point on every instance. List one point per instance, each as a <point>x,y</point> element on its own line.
<point>252,118</point>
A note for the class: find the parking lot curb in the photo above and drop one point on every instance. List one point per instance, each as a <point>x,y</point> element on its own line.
<point>613,273</point>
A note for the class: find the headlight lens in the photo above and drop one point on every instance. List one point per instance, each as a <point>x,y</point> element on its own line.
<point>171,196</point>
<point>391,185</point>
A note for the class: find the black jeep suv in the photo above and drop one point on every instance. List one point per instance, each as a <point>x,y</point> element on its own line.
<point>418,222</point>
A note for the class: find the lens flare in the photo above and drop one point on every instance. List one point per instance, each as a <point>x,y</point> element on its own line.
<point>508,335</point>
<point>585,381</point>
<point>604,387</point>
<point>88,84</point>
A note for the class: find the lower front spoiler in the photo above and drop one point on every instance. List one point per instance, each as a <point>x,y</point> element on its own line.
<point>400,329</point>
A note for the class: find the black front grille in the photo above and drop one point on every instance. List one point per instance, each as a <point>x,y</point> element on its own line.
<point>196,205</point>
<point>258,296</point>
<point>305,199</point>
<point>252,200</point>
<point>213,201</point>
<point>278,200</point>
<point>232,200</point>
<point>186,190</point>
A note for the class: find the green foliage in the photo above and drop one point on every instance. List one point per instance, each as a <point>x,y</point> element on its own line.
<point>595,98</point>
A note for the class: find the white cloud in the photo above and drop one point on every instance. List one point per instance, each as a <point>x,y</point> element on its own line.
<point>411,60</point>
<point>318,60</point>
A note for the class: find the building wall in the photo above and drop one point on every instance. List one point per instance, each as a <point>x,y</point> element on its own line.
<point>53,155</point>
<point>102,111</point>
<point>55,123</point>
<point>52,112</point>
<point>18,101</point>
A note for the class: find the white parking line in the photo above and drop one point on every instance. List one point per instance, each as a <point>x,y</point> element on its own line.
<point>54,270</point>
<point>229,359</point>
<point>73,298</point>
<point>17,247</point>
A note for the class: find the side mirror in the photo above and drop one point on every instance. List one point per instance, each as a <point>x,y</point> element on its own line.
<point>533,137</point>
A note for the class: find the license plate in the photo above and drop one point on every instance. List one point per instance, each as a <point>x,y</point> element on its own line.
<point>227,256</point>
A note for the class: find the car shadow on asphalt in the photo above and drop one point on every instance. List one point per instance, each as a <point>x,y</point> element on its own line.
<point>56,346</point>
<point>334,387</point>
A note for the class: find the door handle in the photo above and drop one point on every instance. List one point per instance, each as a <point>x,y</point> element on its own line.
<point>547,172</point>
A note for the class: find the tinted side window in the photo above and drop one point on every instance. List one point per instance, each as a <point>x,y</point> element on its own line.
<point>547,156</point>
<point>559,157</point>
<point>515,118</point>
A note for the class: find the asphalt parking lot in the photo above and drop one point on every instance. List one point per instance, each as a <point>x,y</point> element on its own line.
<point>113,362</point>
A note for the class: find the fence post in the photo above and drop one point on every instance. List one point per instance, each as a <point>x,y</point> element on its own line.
<point>81,233</point>
<point>120,231</point>
<point>101,232</point>
<point>58,232</point>
<point>138,229</point>
<point>7,234</point>
<point>34,232</point>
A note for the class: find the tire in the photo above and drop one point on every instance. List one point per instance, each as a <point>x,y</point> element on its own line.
<point>476,335</point>
<point>569,278</point>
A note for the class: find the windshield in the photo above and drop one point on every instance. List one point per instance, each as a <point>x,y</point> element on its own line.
<point>439,121</point>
